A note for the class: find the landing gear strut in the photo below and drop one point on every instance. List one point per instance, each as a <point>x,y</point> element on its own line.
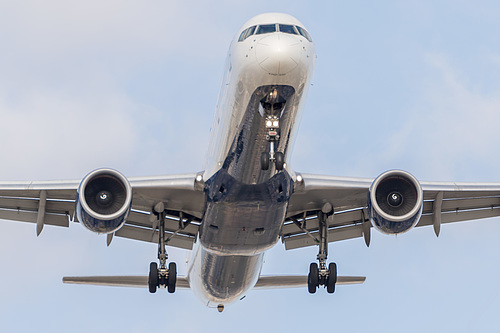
<point>162,277</point>
<point>323,276</point>
<point>272,126</point>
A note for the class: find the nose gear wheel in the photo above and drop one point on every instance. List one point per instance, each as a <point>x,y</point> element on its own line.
<point>264,160</point>
<point>279,161</point>
<point>278,158</point>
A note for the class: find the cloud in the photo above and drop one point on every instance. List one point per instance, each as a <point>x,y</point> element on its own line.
<point>450,123</point>
<point>73,83</point>
<point>127,28</point>
<point>51,130</point>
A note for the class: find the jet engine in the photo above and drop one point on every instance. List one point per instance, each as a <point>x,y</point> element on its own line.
<point>395,202</point>
<point>103,201</point>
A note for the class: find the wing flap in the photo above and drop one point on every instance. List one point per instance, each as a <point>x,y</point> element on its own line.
<point>180,229</point>
<point>148,235</point>
<point>32,204</point>
<point>334,235</point>
<point>141,219</point>
<point>460,216</point>
<point>295,224</point>
<point>24,216</point>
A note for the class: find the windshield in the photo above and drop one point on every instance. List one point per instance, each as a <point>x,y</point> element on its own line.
<point>288,29</point>
<point>266,29</point>
<point>270,28</point>
<point>247,33</point>
<point>304,33</point>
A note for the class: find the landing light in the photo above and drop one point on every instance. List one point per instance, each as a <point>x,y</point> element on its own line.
<point>272,123</point>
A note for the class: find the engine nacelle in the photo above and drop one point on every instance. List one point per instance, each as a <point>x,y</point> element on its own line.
<point>103,201</point>
<point>395,202</point>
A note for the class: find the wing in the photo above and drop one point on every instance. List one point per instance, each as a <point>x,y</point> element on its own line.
<point>53,203</point>
<point>444,202</point>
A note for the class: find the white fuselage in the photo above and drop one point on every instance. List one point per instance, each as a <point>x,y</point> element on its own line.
<point>244,216</point>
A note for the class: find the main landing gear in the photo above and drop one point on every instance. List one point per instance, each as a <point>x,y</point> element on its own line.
<point>323,276</point>
<point>162,277</point>
<point>272,126</point>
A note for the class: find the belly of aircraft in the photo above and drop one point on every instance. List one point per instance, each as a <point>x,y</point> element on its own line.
<point>246,204</point>
<point>223,279</point>
<point>244,219</point>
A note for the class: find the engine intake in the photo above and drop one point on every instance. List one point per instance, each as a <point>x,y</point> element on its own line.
<point>103,201</point>
<point>395,202</point>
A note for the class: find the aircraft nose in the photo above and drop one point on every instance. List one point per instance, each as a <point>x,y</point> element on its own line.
<point>278,54</point>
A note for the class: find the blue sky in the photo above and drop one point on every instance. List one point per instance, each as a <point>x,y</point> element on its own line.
<point>133,85</point>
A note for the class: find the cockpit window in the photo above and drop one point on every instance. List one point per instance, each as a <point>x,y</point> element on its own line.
<point>270,28</point>
<point>304,33</point>
<point>266,29</point>
<point>247,33</point>
<point>287,29</point>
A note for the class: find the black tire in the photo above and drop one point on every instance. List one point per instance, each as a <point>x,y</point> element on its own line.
<point>313,278</point>
<point>280,161</point>
<point>172,277</point>
<point>332,278</point>
<point>264,161</point>
<point>153,277</point>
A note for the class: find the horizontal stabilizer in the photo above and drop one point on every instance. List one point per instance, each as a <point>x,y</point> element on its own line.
<point>264,282</point>
<point>137,281</point>
<point>297,281</point>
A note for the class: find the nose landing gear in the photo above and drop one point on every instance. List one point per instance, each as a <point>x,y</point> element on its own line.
<point>266,158</point>
<point>278,158</point>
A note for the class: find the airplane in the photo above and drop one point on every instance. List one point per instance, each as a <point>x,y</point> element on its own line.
<point>247,198</point>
